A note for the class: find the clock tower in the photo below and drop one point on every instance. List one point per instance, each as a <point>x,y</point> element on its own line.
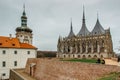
<point>24,33</point>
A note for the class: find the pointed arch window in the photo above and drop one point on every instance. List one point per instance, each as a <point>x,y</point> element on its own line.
<point>83,47</point>
<point>102,43</point>
<point>95,46</point>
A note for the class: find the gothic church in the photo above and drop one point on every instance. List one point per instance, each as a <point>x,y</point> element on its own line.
<point>86,44</point>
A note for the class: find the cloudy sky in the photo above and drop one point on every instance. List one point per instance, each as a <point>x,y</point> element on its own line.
<point>51,18</point>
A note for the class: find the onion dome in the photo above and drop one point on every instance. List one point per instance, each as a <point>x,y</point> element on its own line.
<point>23,27</point>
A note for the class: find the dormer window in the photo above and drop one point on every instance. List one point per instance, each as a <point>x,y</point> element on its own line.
<point>0,43</point>
<point>13,44</point>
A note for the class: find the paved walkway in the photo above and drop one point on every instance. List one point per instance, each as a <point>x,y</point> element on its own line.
<point>111,62</point>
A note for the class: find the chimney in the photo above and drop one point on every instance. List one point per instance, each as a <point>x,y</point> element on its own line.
<point>10,35</point>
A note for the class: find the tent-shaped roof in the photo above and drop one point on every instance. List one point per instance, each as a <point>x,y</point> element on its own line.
<point>98,29</point>
<point>83,31</point>
<point>71,34</point>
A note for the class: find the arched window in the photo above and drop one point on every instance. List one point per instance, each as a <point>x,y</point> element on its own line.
<point>78,48</point>
<point>95,46</point>
<point>89,50</point>
<point>95,56</point>
<point>68,49</point>
<point>102,43</point>
<point>89,47</point>
<point>83,47</point>
<point>101,56</point>
<point>84,56</point>
<point>102,46</point>
<point>89,56</point>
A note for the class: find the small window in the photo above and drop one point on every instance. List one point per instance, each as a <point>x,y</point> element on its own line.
<point>15,52</point>
<point>0,43</point>
<point>4,51</point>
<point>95,32</point>
<point>3,74</point>
<point>13,44</point>
<point>3,63</point>
<point>28,52</point>
<point>15,63</point>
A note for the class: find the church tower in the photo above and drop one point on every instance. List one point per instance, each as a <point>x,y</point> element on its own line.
<point>24,33</point>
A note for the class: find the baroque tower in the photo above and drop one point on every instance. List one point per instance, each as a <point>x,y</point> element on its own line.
<point>24,33</point>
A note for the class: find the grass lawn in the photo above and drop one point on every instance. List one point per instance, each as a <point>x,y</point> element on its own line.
<point>111,76</point>
<point>81,60</point>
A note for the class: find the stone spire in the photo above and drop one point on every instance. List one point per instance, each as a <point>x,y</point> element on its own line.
<point>71,34</point>
<point>83,31</point>
<point>98,29</point>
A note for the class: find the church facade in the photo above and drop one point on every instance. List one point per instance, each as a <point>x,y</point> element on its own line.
<point>86,44</point>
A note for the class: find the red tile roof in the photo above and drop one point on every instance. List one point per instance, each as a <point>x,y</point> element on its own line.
<point>7,42</point>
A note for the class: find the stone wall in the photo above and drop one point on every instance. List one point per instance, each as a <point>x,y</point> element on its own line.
<point>53,69</point>
<point>15,76</point>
